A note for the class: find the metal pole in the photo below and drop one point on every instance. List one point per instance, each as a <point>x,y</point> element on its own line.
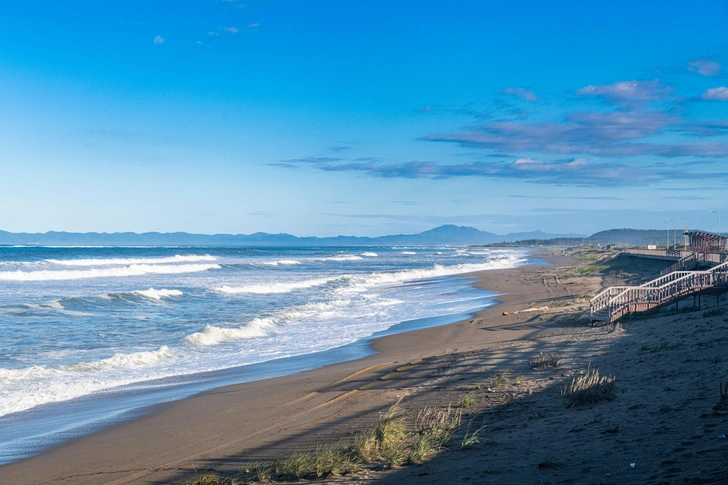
<point>718,214</point>
<point>667,246</point>
<point>685,237</point>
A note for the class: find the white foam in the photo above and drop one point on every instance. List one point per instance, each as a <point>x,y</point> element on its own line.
<point>192,258</point>
<point>53,305</point>
<point>349,257</point>
<point>158,294</point>
<point>267,288</point>
<point>22,389</point>
<point>285,262</point>
<point>213,335</point>
<point>131,270</point>
<point>370,255</point>
<point>408,252</point>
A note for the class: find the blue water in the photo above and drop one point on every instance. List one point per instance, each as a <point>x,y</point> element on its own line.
<point>93,335</point>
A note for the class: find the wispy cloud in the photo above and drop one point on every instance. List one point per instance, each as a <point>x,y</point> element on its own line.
<point>628,92</point>
<point>608,134</point>
<point>716,94</point>
<point>158,39</point>
<point>213,34</point>
<point>523,94</point>
<point>231,30</point>
<point>704,67</point>
<point>576,171</point>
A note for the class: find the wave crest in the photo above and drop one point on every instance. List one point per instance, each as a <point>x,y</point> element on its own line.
<point>213,335</point>
<point>131,270</point>
<point>158,294</point>
<point>268,288</point>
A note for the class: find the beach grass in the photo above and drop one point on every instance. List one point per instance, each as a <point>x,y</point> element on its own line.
<point>544,361</point>
<point>397,439</point>
<point>590,388</point>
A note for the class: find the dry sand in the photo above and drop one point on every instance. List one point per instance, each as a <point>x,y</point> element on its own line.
<point>663,420</point>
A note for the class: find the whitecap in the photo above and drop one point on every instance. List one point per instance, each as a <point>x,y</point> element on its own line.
<point>213,335</point>
<point>267,288</point>
<point>191,258</point>
<point>158,294</point>
<point>131,270</point>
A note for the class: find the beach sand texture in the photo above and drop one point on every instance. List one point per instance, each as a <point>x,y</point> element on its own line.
<point>660,428</point>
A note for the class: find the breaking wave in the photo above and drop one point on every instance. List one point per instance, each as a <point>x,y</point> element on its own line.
<point>127,261</point>
<point>213,335</point>
<point>131,270</point>
<point>266,288</point>
<point>157,294</point>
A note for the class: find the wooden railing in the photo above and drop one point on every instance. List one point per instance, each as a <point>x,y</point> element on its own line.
<point>687,263</point>
<point>614,302</point>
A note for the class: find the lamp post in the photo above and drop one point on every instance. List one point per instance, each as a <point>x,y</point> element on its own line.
<point>718,214</point>
<point>668,232</point>
<point>667,246</point>
<point>685,237</point>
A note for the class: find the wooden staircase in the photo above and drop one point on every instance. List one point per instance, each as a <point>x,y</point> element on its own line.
<point>688,263</point>
<point>617,301</point>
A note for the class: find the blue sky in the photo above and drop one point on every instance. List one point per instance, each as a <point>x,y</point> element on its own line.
<point>362,118</point>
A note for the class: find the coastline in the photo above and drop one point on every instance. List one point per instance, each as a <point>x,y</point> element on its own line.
<point>195,422</point>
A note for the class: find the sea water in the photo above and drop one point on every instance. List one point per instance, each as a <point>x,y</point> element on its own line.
<point>92,335</point>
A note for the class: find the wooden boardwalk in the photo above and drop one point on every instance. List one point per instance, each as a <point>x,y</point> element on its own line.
<point>617,301</point>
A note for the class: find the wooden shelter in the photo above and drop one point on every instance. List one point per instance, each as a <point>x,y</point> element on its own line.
<point>706,242</point>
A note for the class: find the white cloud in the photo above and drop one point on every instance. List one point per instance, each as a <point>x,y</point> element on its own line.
<point>213,34</point>
<point>158,39</point>
<point>716,94</point>
<point>523,94</point>
<point>252,26</point>
<point>231,30</point>
<point>704,67</point>
<point>627,91</point>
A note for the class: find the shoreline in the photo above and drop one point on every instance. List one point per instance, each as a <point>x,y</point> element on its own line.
<point>127,403</point>
<point>185,422</point>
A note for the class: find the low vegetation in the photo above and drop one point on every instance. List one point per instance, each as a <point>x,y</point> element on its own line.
<point>394,440</point>
<point>505,379</point>
<point>544,361</point>
<point>590,388</point>
<point>466,401</point>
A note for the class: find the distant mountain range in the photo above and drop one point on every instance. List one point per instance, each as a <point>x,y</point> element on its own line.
<point>446,235</point>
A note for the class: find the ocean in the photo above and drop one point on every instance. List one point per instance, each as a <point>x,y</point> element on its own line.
<point>91,336</point>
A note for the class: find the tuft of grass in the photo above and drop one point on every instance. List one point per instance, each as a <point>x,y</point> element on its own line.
<point>388,443</point>
<point>500,379</point>
<point>473,439</point>
<point>590,388</point>
<point>466,401</point>
<point>212,479</point>
<point>544,361</point>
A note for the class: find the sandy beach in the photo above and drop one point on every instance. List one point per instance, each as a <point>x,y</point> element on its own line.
<point>661,427</point>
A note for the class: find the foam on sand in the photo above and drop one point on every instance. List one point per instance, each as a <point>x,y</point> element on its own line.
<point>42,384</point>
